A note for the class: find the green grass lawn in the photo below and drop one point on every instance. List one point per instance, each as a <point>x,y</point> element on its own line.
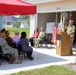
<point>52,70</point>
<point>12,30</point>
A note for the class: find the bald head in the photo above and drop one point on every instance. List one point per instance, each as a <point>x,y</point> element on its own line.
<point>16,33</point>
<point>71,22</point>
<point>42,29</point>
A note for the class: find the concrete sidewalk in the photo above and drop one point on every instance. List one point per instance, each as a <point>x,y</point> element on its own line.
<point>44,57</point>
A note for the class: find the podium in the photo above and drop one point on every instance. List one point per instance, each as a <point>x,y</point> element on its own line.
<point>63,44</point>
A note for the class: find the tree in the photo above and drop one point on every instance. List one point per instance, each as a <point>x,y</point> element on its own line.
<point>25,17</point>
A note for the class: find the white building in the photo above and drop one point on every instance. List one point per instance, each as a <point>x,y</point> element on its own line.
<point>12,21</point>
<point>46,11</point>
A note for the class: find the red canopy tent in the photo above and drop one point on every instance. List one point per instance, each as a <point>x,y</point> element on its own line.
<point>16,7</point>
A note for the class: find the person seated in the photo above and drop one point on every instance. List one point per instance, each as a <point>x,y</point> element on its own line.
<point>35,34</point>
<point>4,32</point>
<point>41,37</point>
<point>25,45</point>
<point>9,50</point>
<point>16,38</point>
<point>8,38</point>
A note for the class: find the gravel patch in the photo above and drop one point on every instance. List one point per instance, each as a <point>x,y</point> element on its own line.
<point>71,66</point>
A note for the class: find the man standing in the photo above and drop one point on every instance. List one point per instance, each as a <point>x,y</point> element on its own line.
<point>71,32</point>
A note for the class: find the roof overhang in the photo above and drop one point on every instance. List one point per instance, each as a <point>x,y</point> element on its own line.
<point>41,1</point>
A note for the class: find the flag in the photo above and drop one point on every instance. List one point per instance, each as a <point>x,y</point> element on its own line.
<point>60,24</point>
<point>64,22</point>
<point>70,18</point>
<point>54,32</point>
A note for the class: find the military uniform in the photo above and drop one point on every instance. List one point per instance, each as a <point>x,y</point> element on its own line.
<point>7,49</point>
<point>71,32</point>
<point>40,38</point>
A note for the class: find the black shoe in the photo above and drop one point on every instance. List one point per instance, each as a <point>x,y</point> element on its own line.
<point>31,58</point>
<point>10,62</point>
<point>32,45</point>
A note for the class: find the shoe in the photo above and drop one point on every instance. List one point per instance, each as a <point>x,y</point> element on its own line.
<point>33,46</point>
<point>31,58</point>
<point>10,62</point>
<point>37,46</point>
<point>17,61</point>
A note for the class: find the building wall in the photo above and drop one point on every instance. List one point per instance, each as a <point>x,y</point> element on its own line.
<point>53,7</point>
<point>47,11</point>
<point>43,18</point>
<point>68,5</point>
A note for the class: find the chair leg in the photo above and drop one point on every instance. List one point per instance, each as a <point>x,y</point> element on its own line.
<point>21,56</point>
<point>1,60</point>
<point>24,55</point>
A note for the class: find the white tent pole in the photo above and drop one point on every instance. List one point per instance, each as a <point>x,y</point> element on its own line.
<point>6,22</point>
<point>35,47</point>
<point>35,40</point>
<point>35,35</point>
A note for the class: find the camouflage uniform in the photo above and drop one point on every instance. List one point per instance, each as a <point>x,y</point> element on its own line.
<point>7,49</point>
<point>40,38</point>
<point>71,32</point>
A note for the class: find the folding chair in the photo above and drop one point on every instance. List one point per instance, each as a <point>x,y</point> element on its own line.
<point>20,51</point>
<point>14,44</point>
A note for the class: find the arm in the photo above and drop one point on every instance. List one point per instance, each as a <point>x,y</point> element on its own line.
<point>37,33</point>
<point>27,42</point>
<point>42,35</point>
<point>71,30</point>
